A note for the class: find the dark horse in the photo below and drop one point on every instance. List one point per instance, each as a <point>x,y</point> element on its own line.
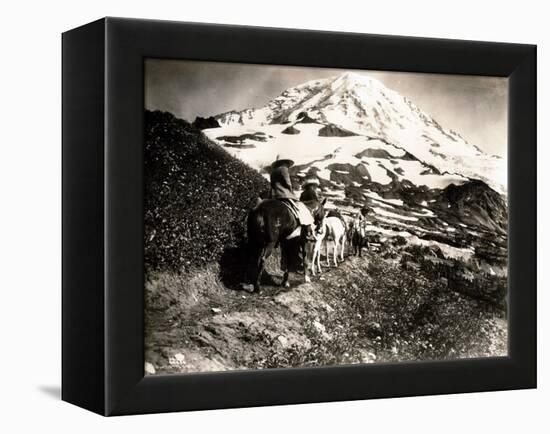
<point>358,235</point>
<point>269,225</point>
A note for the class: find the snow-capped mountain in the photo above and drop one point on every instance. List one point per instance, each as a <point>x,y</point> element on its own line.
<point>368,145</point>
<point>362,113</point>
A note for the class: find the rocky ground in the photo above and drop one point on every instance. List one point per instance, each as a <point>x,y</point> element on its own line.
<point>368,310</point>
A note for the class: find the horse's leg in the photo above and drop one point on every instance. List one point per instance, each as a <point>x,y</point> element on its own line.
<point>316,260</point>
<point>253,262</point>
<point>327,253</point>
<point>335,251</point>
<point>319,257</point>
<point>306,248</point>
<point>313,258</point>
<point>344,241</point>
<point>265,253</point>
<point>338,247</point>
<point>258,269</point>
<point>285,282</point>
<point>284,264</point>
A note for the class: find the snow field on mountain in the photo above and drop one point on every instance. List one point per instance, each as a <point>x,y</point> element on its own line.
<point>308,147</point>
<point>363,105</point>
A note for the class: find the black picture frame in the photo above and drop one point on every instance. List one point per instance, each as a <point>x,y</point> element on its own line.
<point>103,271</point>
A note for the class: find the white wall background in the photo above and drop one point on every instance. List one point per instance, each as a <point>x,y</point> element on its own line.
<point>30,183</point>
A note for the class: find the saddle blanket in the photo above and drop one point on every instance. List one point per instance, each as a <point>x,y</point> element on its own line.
<point>300,211</point>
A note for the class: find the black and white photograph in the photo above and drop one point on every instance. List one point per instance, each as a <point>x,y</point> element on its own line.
<point>275,217</point>
<point>303,217</point>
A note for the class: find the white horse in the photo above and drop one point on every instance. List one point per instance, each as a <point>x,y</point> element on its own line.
<point>332,228</point>
<point>316,257</point>
<point>336,231</point>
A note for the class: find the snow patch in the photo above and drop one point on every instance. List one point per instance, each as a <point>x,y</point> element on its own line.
<point>393,215</point>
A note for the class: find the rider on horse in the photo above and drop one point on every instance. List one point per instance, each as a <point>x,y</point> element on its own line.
<point>281,220</point>
<point>281,188</point>
<point>310,186</point>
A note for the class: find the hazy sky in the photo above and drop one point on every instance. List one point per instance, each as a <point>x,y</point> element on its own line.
<point>475,107</point>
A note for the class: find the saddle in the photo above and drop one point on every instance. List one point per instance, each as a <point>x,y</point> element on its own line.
<point>291,207</point>
<point>300,211</point>
<point>336,213</point>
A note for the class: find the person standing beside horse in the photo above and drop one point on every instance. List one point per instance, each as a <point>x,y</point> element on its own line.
<point>359,236</point>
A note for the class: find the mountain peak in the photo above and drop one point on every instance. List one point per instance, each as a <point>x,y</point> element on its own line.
<point>364,106</point>
<point>354,78</point>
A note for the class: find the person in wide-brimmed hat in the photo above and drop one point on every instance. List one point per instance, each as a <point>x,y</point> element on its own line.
<point>282,162</point>
<point>281,185</point>
<point>310,192</point>
<point>281,188</point>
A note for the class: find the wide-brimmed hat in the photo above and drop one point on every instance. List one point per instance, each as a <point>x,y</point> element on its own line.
<point>310,181</point>
<point>281,161</point>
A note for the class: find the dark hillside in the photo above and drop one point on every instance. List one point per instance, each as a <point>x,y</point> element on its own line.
<point>474,202</point>
<point>196,195</point>
<point>203,123</point>
<point>334,131</point>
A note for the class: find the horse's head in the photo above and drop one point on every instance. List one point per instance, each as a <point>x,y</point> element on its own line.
<point>319,214</point>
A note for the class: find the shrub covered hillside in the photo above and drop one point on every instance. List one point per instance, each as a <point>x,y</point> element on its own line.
<point>196,195</point>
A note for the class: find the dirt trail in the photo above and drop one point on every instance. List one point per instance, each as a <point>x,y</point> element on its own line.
<point>315,323</point>
<point>233,331</point>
